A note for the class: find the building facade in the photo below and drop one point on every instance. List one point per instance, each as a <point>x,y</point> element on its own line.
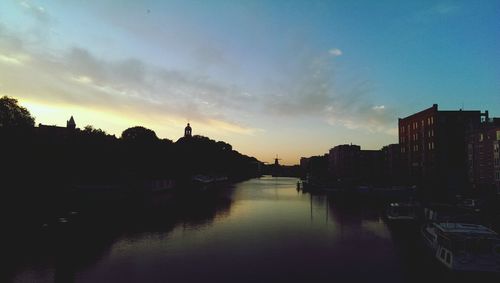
<point>483,156</point>
<point>392,171</point>
<point>433,148</point>
<point>350,165</point>
<point>343,162</point>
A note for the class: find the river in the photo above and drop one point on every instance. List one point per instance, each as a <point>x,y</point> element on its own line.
<point>261,230</point>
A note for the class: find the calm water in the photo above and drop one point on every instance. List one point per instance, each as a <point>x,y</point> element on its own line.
<point>262,230</point>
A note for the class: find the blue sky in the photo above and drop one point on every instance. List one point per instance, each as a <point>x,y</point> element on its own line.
<point>292,78</point>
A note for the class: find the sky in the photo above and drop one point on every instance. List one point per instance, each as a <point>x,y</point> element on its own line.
<point>287,78</point>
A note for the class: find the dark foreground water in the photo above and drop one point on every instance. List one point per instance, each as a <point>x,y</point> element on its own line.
<point>262,230</point>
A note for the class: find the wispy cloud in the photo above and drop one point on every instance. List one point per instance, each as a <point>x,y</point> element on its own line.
<point>335,52</point>
<point>444,8</point>
<point>130,86</point>
<point>312,92</point>
<point>38,12</point>
<point>440,9</point>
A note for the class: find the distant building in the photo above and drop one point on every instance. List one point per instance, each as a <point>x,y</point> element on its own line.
<point>392,171</point>
<point>483,160</point>
<point>187,131</point>
<point>433,147</point>
<point>370,167</point>
<point>55,132</point>
<point>70,124</point>
<point>304,163</point>
<point>350,165</point>
<point>315,167</point>
<point>343,161</point>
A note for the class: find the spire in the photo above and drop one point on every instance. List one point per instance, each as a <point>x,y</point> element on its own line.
<point>70,124</point>
<point>187,131</point>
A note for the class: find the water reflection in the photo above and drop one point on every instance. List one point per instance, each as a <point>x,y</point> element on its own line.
<point>262,230</point>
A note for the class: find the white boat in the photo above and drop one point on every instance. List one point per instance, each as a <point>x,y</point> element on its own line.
<point>404,211</point>
<point>463,246</point>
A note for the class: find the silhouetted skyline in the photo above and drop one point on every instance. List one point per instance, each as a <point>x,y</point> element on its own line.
<point>270,77</point>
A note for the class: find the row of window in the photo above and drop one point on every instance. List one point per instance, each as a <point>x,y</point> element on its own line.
<point>430,146</point>
<point>482,137</point>
<point>414,125</point>
<point>414,137</point>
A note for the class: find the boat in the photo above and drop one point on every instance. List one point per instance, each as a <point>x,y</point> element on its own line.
<point>159,185</point>
<point>463,246</point>
<point>442,212</point>
<point>403,211</point>
<point>202,182</point>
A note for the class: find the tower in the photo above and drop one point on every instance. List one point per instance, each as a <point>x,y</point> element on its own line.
<point>70,124</point>
<point>276,161</point>
<point>187,131</point>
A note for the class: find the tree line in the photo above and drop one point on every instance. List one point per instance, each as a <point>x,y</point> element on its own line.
<point>40,161</point>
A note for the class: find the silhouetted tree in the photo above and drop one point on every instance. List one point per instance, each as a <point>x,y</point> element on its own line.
<point>89,129</point>
<point>139,134</point>
<point>12,115</point>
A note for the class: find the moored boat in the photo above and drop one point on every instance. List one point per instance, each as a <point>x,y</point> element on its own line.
<point>403,211</point>
<point>463,246</point>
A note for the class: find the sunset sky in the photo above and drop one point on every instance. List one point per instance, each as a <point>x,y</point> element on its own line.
<point>292,78</point>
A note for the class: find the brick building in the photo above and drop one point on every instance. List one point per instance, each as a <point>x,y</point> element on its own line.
<point>343,162</point>
<point>433,148</point>
<point>483,160</point>
<point>350,165</point>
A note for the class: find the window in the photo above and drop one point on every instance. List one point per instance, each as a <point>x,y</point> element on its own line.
<point>481,137</point>
<point>495,147</point>
<point>497,175</point>
<point>498,135</point>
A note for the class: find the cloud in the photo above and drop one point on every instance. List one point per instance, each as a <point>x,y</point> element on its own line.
<point>312,91</point>
<point>437,11</point>
<point>124,87</point>
<point>444,9</point>
<point>37,12</point>
<point>335,52</point>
